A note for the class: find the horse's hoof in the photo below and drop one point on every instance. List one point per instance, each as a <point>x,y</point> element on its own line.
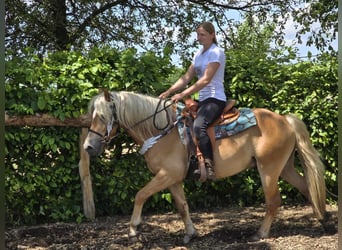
<point>328,224</point>
<point>254,238</point>
<point>188,237</point>
<point>133,236</point>
<point>133,239</point>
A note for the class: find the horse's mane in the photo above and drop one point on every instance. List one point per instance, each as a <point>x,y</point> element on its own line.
<point>136,112</point>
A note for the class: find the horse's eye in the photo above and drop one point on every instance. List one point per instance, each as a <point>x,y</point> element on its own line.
<point>102,118</point>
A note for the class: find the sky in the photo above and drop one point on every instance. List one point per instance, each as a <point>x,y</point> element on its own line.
<point>290,38</point>
<point>290,34</point>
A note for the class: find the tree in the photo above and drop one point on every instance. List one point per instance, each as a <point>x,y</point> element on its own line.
<point>50,25</point>
<point>323,13</point>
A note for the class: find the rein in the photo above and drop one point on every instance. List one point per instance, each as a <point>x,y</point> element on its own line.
<point>154,116</point>
<point>107,139</point>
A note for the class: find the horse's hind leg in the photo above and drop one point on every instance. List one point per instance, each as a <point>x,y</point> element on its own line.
<point>183,209</point>
<point>290,175</point>
<point>294,178</point>
<point>269,179</point>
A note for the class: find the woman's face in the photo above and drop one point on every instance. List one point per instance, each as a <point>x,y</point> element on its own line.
<point>204,37</point>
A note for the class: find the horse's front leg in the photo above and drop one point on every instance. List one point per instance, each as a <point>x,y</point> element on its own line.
<point>158,183</point>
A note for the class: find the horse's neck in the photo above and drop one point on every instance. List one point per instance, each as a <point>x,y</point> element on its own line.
<point>132,118</point>
<point>139,141</point>
<point>143,124</point>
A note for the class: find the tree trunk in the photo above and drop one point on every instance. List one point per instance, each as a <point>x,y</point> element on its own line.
<point>59,12</point>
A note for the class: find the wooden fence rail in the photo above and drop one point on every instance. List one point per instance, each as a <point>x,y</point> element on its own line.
<point>45,120</point>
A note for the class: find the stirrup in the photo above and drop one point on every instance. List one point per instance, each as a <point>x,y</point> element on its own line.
<point>209,166</point>
<point>197,173</point>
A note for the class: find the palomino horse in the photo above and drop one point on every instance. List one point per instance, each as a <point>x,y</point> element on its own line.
<point>270,146</point>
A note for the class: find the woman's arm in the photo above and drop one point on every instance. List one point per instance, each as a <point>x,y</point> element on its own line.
<point>201,83</point>
<point>181,82</point>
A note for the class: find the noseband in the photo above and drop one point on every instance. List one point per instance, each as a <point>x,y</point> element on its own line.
<point>106,138</point>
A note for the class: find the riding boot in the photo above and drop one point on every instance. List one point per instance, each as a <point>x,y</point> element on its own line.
<point>200,165</point>
<point>209,166</point>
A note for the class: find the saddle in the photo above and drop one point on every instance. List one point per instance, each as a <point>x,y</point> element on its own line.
<point>229,114</point>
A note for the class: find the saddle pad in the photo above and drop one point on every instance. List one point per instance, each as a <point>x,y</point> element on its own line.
<point>180,124</point>
<point>245,121</point>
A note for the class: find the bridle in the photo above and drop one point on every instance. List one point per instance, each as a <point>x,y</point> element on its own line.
<point>106,137</point>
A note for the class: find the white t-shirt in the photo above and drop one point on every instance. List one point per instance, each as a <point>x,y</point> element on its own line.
<point>201,60</point>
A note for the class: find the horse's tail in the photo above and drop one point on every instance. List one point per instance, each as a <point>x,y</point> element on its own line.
<point>312,164</point>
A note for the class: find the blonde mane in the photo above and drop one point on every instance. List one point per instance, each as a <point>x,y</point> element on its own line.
<point>135,112</point>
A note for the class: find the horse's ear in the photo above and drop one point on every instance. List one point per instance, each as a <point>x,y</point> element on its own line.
<point>106,95</point>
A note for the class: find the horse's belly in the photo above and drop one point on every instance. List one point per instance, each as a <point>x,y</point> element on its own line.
<point>233,155</point>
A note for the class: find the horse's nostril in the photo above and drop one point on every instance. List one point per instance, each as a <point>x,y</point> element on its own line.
<point>90,150</point>
<point>87,147</point>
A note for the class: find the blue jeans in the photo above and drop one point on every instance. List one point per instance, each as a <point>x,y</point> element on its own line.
<point>208,111</point>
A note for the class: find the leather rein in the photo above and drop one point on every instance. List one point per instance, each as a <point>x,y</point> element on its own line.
<point>106,137</point>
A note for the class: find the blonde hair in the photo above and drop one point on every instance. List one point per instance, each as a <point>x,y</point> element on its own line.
<point>209,27</point>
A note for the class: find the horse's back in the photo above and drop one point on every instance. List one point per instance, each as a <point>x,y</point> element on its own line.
<point>272,139</point>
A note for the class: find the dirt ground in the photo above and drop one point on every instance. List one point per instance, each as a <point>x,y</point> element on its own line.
<point>228,228</point>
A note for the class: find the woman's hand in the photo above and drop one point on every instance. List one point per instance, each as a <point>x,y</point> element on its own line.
<point>164,94</point>
<point>177,97</point>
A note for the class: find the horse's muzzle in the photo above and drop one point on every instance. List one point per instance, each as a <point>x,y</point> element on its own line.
<point>93,151</point>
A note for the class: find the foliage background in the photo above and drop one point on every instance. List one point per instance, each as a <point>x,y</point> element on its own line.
<point>59,53</point>
<point>41,166</point>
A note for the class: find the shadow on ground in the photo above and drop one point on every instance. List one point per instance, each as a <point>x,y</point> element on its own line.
<point>229,228</point>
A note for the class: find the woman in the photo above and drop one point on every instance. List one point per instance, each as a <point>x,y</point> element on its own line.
<point>208,65</point>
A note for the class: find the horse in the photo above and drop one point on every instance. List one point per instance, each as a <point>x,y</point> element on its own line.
<point>269,146</point>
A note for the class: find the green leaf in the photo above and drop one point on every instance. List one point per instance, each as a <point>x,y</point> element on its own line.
<point>41,102</point>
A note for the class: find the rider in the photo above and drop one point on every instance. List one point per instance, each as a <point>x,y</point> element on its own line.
<point>208,65</point>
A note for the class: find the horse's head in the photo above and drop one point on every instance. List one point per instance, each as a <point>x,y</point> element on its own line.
<point>104,124</point>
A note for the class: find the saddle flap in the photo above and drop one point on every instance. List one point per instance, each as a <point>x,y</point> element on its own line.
<point>229,114</point>
<point>191,107</point>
